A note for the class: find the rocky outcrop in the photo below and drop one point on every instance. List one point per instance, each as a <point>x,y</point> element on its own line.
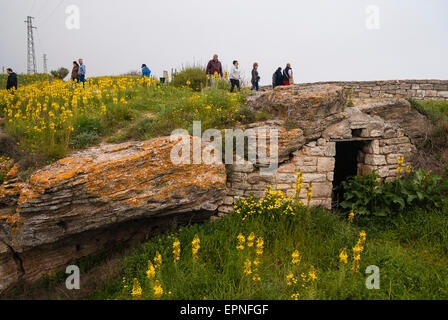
<point>311,109</point>
<point>94,190</point>
<point>399,111</point>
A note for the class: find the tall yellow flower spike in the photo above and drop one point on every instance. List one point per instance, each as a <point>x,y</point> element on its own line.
<point>136,289</point>
<point>176,250</point>
<point>157,261</point>
<point>295,257</point>
<point>241,241</point>
<point>351,216</point>
<point>195,246</point>
<point>343,256</point>
<point>151,272</point>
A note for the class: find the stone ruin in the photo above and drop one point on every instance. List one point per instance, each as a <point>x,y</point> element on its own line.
<point>110,194</point>
<point>330,142</point>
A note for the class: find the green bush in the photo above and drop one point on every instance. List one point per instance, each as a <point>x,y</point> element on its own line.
<point>193,77</point>
<point>61,73</point>
<point>420,189</point>
<point>85,139</point>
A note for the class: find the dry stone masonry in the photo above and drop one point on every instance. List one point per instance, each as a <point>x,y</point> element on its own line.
<point>417,89</point>
<point>378,132</point>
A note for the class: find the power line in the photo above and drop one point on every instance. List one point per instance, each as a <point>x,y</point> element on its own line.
<point>54,10</point>
<point>32,7</point>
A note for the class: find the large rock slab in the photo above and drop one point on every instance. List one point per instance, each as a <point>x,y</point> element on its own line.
<point>400,112</point>
<point>97,189</point>
<point>311,108</point>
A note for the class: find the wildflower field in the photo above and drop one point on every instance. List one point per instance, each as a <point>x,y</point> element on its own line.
<point>49,120</point>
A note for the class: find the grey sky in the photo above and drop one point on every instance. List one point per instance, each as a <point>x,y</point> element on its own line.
<point>323,39</point>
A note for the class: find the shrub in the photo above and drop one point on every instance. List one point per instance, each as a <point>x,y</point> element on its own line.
<point>420,189</point>
<point>193,77</point>
<point>85,139</point>
<point>61,73</point>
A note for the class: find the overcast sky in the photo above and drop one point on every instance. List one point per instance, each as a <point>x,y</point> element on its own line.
<point>323,39</point>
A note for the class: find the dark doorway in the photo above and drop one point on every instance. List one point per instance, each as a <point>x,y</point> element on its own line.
<point>346,165</point>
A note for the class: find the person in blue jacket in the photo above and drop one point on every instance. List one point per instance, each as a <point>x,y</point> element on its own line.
<point>145,71</point>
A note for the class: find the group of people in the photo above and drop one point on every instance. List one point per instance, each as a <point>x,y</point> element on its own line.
<point>279,78</point>
<point>214,67</point>
<point>79,72</point>
<point>284,78</point>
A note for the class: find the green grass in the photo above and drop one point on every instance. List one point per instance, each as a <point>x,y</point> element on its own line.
<point>159,111</point>
<point>23,79</point>
<point>411,254</point>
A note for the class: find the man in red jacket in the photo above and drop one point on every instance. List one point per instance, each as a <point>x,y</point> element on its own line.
<point>214,66</point>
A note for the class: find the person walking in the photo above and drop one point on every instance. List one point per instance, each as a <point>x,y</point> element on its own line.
<point>214,67</point>
<point>82,73</point>
<point>277,78</point>
<point>255,77</point>
<point>235,76</point>
<point>75,71</point>
<point>12,79</point>
<point>145,71</point>
<point>287,75</point>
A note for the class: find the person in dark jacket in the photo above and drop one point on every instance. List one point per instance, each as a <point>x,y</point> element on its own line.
<point>12,79</point>
<point>277,78</point>
<point>287,75</point>
<point>255,78</point>
<point>214,66</point>
<point>75,71</point>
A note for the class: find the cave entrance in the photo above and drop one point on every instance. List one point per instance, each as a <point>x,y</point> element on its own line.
<point>346,165</point>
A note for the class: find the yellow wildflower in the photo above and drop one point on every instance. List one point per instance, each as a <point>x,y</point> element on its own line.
<point>250,239</point>
<point>195,246</point>
<point>241,241</point>
<point>158,290</point>
<point>351,216</point>
<point>295,257</point>
<point>151,272</point>
<point>247,267</point>
<point>343,256</point>
<point>312,274</point>
<point>176,250</point>
<point>157,261</point>
<point>260,246</point>
<point>136,289</point>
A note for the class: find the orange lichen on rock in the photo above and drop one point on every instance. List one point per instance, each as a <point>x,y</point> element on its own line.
<point>134,174</point>
<point>14,221</point>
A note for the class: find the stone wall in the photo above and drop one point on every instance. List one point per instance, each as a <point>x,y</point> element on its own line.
<point>418,89</point>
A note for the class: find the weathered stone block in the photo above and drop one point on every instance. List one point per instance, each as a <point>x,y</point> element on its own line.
<point>325,164</point>
<point>375,159</point>
<point>314,177</point>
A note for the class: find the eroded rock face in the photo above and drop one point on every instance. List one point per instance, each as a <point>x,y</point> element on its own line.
<point>399,111</point>
<point>96,189</point>
<point>311,109</point>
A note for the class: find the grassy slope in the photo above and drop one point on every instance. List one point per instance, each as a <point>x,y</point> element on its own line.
<point>434,150</point>
<point>411,255</point>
